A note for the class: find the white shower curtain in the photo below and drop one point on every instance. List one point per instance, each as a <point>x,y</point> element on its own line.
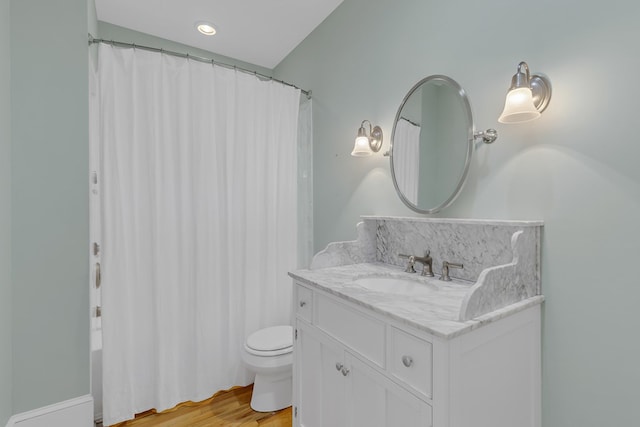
<point>406,159</point>
<point>199,220</point>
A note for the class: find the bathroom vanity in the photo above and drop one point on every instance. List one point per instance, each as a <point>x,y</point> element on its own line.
<point>378,346</point>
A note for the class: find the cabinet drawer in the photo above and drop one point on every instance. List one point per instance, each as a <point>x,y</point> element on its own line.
<point>411,360</point>
<point>362,333</point>
<point>304,303</point>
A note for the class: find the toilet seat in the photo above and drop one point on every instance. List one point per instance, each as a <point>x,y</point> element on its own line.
<point>272,341</point>
<point>269,354</point>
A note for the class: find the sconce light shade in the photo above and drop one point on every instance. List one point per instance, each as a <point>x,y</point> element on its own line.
<point>527,97</point>
<point>366,145</point>
<point>361,147</point>
<point>518,107</point>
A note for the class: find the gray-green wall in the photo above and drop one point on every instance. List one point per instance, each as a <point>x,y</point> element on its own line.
<point>6,405</point>
<point>49,162</point>
<point>576,167</point>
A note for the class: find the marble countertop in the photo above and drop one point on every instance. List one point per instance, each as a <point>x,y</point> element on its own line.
<point>500,222</point>
<point>436,314</point>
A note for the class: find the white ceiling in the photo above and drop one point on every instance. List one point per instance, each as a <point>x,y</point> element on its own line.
<point>261,32</point>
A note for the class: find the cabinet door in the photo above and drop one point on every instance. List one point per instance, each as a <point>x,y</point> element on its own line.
<point>320,384</point>
<point>375,401</point>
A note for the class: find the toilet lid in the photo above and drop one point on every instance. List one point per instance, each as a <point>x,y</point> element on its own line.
<point>270,339</point>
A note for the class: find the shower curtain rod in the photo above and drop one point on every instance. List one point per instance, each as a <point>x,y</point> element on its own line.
<point>195,58</point>
<point>410,121</point>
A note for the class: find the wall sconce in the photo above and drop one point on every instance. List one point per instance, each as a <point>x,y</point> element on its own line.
<point>366,145</point>
<point>527,97</point>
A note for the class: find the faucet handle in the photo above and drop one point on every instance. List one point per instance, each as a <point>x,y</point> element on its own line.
<point>445,270</point>
<point>412,261</point>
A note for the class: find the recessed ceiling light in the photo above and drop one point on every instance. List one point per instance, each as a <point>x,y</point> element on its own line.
<point>205,28</point>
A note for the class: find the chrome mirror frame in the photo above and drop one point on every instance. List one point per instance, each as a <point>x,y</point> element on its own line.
<point>471,136</point>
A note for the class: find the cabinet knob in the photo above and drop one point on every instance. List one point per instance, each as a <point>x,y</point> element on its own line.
<point>345,372</point>
<point>407,361</point>
<point>339,366</point>
<point>303,303</point>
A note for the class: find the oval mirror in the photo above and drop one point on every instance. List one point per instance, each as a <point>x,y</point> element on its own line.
<point>431,144</point>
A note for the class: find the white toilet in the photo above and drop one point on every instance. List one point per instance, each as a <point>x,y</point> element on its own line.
<point>268,353</point>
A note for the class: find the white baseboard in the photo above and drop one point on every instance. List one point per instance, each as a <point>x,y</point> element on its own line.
<point>76,412</point>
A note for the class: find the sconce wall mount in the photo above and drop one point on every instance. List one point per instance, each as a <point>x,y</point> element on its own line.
<point>527,97</point>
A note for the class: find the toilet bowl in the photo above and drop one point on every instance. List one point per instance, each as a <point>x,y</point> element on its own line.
<point>269,353</point>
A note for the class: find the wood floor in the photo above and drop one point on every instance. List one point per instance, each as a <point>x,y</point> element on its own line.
<point>226,408</point>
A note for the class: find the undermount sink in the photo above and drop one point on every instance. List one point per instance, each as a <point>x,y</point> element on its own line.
<point>396,285</point>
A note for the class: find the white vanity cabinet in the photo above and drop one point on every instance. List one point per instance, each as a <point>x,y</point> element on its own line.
<point>336,388</point>
<point>356,367</point>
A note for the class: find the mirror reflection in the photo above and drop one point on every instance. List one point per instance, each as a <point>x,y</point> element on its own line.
<point>432,142</point>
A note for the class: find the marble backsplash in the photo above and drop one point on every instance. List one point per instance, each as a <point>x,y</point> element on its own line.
<point>477,244</point>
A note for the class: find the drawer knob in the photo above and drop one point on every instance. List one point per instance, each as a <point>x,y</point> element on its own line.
<point>303,303</point>
<point>407,361</point>
<point>339,366</point>
<point>345,372</point>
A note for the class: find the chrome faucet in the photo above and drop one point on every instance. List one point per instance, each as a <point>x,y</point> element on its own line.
<point>427,264</point>
<point>445,270</point>
<point>426,261</point>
